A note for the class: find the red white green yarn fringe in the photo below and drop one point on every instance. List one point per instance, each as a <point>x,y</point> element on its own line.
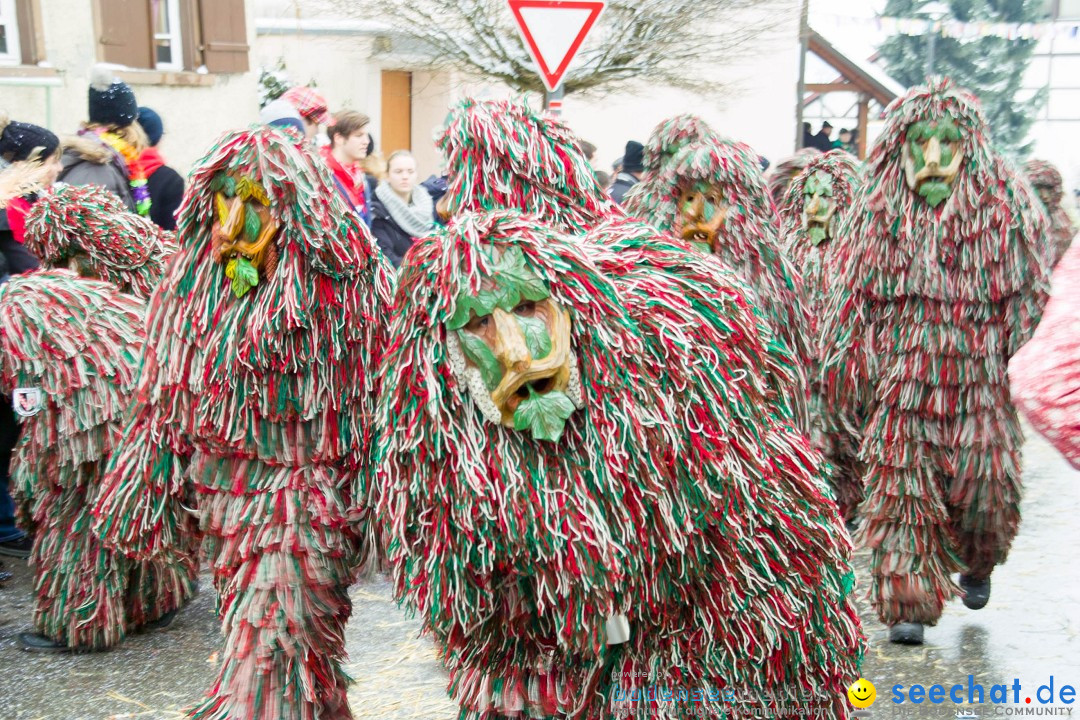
<point>78,341</point>
<point>674,496</point>
<point>268,400</point>
<point>88,227</point>
<point>930,304</point>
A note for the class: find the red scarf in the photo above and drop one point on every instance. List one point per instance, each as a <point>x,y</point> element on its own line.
<point>16,215</point>
<point>151,160</point>
<point>350,178</point>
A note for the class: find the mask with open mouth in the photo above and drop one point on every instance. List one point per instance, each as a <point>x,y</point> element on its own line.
<point>511,341</point>
<point>243,231</point>
<point>702,210</point>
<point>819,207</point>
<point>932,158</point>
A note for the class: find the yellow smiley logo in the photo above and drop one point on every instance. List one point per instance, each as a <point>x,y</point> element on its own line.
<point>862,693</point>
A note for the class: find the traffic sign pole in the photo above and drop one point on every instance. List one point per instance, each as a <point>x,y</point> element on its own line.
<point>553,100</point>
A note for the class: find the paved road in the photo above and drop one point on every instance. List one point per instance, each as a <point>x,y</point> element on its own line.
<point>1030,631</point>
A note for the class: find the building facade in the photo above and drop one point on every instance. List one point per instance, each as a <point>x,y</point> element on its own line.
<point>187,59</point>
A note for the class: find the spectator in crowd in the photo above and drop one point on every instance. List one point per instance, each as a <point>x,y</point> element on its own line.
<point>402,210</point>
<point>19,142</point>
<point>823,140</point>
<point>807,135</point>
<point>23,142</point>
<point>588,150</point>
<point>632,167</point>
<point>311,105</point>
<point>107,150</point>
<point>436,186</point>
<point>845,141</point>
<point>349,143</point>
<point>280,114</point>
<point>374,166</point>
<point>165,184</point>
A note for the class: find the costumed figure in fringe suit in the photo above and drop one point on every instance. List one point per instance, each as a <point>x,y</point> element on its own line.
<point>584,477</point>
<point>1045,374</point>
<point>89,230</point>
<point>258,388</point>
<point>781,174</point>
<point>817,200</point>
<point>584,470</point>
<point>664,143</point>
<point>1047,182</point>
<point>82,355</point>
<point>941,280</point>
<point>712,195</point>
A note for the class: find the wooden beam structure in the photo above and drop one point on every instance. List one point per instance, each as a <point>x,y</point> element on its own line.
<point>830,87</point>
<point>866,85</point>
<point>864,121</point>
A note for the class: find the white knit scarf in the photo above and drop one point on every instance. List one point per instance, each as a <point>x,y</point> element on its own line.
<point>415,217</point>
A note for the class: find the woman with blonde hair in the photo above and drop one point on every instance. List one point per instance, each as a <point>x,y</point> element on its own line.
<point>107,150</point>
<point>402,209</point>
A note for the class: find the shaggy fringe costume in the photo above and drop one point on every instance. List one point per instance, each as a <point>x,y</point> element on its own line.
<point>502,154</point>
<point>78,342</point>
<point>260,368</point>
<point>664,143</point>
<point>673,496</point>
<point>1045,374</point>
<point>810,256</point>
<point>1047,182</point>
<point>90,230</point>
<point>930,304</point>
<point>784,172</point>
<point>748,240</point>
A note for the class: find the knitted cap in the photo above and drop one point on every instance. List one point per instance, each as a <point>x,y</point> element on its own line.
<point>19,141</point>
<point>151,124</point>
<point>112,101</point>
<point>634,157</point>
<point>279,113</point>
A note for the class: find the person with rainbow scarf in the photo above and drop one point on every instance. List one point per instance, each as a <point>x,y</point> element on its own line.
<point>107,150</point>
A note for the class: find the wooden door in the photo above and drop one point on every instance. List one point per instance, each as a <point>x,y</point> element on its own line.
<point>396,112</point>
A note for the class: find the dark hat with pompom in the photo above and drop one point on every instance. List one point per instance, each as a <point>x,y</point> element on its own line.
<point>21,141</point>
<point>112,102</point>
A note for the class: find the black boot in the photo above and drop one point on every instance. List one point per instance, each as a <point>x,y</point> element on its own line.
<point>39,643</point>
<point>162,622</point>
<point>906,633</point>
<point>976,592</point>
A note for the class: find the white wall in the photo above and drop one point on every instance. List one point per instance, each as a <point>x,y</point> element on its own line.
<point>193,116</point>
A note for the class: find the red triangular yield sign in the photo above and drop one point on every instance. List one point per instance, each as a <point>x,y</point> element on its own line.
<point>554,30</point>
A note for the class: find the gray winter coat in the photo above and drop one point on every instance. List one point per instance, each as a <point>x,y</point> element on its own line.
<point>89,161</point>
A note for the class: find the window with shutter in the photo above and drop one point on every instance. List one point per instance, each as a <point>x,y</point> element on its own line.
<point>9,34</point>
<point>31,42</point>
<point>224,35</point>
<point>126,33</point>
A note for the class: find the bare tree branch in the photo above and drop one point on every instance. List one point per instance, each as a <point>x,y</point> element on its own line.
<point>679,43</point>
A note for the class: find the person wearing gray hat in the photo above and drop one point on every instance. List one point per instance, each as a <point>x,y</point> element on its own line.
<point>281,114</point>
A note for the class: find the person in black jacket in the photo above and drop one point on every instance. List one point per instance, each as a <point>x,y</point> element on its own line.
<point>402,210</point>
<point>24,143</point>
<point>630,174</point>
<point>19,143</point>
<point>165,184</point>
